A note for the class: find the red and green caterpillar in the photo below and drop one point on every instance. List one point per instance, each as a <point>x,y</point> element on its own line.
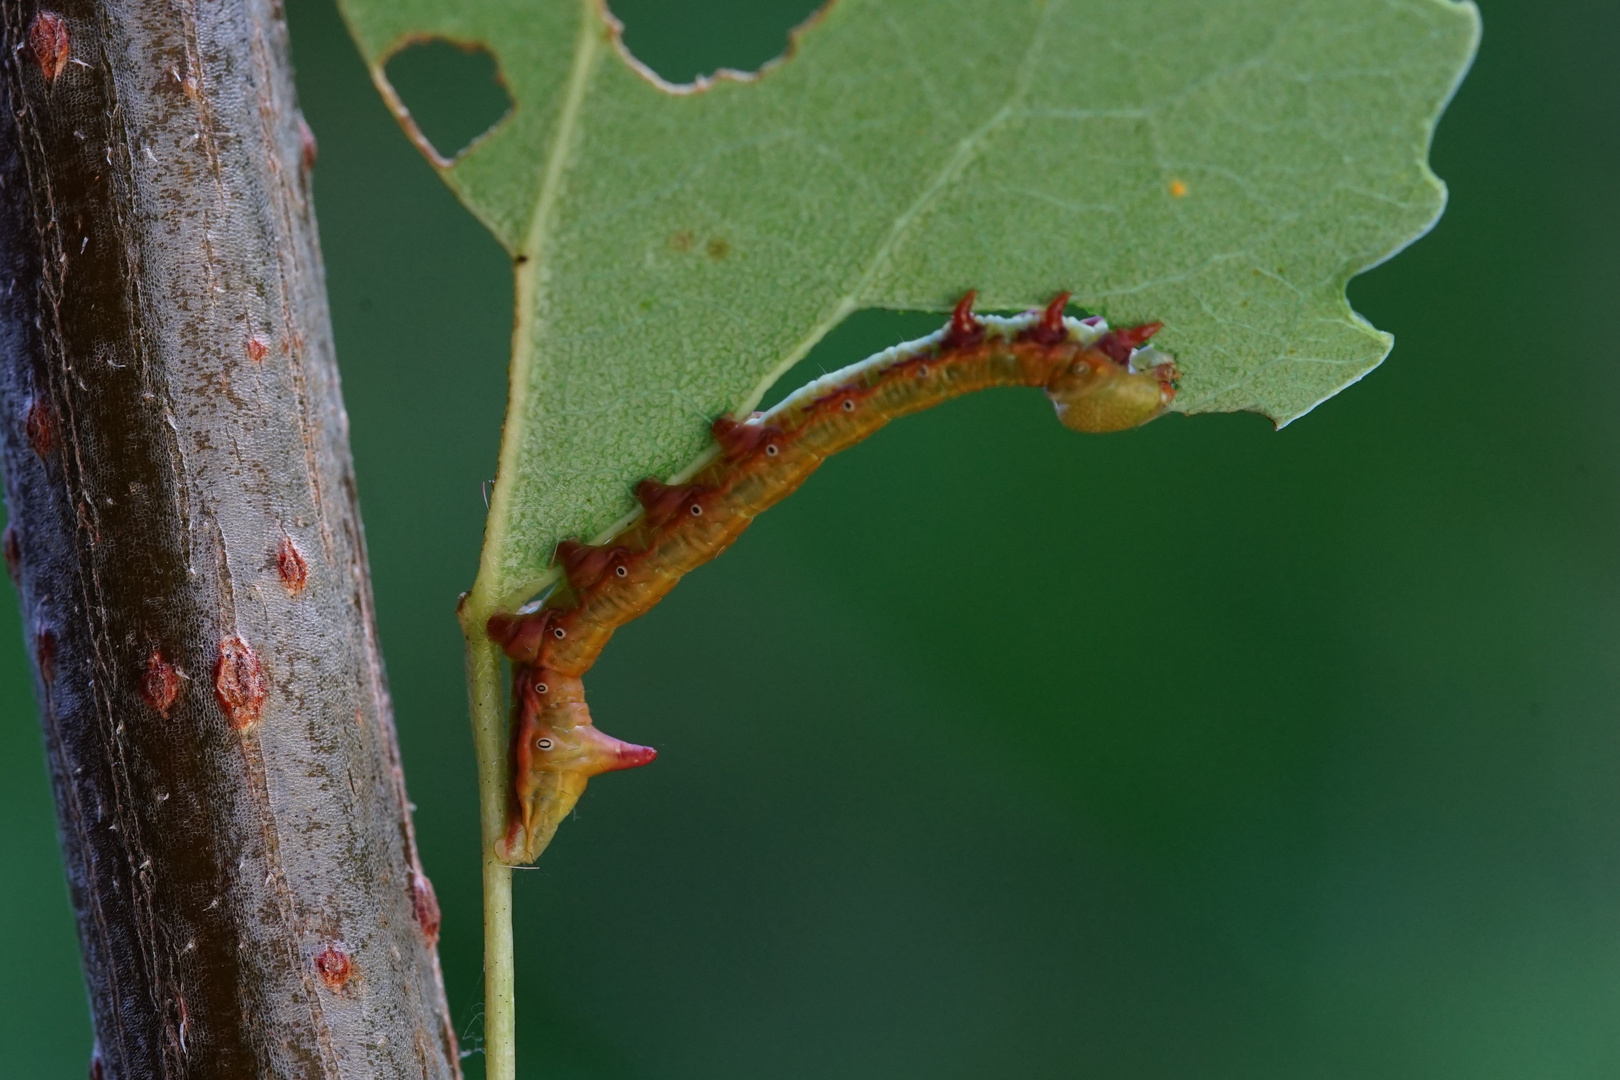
<point>1098,379</point>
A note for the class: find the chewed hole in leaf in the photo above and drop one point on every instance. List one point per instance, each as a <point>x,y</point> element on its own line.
<point>454,92</point>
<point>682,40</point>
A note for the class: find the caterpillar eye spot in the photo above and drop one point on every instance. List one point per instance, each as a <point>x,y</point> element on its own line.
<point>770,450</point>
<point>541,688</point>
<point>922,371</point>
<point>559,633</point>
<point>849,404</point>
<point>621,571</point>
<point>697,511</point>
<point>542,744</point>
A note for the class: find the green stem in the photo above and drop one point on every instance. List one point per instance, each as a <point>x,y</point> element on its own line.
<point>489,739</point>
<point>484,661</point>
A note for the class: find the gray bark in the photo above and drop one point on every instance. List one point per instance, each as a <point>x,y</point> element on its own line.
<point>187,544</point>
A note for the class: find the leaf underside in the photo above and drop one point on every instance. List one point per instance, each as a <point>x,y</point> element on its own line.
<point>1224,167</point>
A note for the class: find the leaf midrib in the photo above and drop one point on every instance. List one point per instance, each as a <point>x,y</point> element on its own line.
<point>489,587</point>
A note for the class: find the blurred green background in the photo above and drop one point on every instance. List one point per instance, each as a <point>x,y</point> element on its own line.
<point>1201,751</point>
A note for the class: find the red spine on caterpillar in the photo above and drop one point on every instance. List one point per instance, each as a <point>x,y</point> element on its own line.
<point>965,329</point>
<point>1050,330</point>
<point>499,627</point>
<point>587,564</point>
<point>663,501</point>
<point>520,636</point>
<point>739,440</point>
<point>1117,344</point>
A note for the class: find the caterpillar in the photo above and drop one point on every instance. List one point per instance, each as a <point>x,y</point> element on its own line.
<point>1098,379</point>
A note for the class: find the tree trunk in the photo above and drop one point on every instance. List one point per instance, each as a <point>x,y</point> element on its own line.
<point>187,544</point>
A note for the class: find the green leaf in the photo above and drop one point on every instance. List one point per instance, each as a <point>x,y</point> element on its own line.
<point>1224,167</point>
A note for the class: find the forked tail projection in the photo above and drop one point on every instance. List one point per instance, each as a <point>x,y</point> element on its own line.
<point>1098,379</point>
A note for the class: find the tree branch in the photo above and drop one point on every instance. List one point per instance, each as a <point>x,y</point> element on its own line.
<point>187,543</point>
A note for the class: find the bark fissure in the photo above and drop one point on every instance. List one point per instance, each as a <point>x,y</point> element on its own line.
<point>233,814</point>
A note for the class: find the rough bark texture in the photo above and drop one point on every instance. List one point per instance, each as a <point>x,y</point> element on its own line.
<point>187,544</point>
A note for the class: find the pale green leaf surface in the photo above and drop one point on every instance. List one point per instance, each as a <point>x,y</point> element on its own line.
<point>677,251</point>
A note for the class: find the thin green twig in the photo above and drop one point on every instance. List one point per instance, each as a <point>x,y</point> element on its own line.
<point>484,689</point>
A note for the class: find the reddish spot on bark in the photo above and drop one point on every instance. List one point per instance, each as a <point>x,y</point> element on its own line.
<point>40,427</point>
<point>334,965</point>
<point>426,904</point>
<point>48,38</point>
<point>97,1070</point>
<point>291,566</point>
<point>187,83</point>
<point>45,654</point>
<point>239,683</point>
<point>13,554</point>
<point>307,148</point>
<point>257,350</point>
<point>964,329</point>
<point>160,684</point>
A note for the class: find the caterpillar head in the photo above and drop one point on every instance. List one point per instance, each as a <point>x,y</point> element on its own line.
<point>1114,385</point>
<point>555,750</point>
